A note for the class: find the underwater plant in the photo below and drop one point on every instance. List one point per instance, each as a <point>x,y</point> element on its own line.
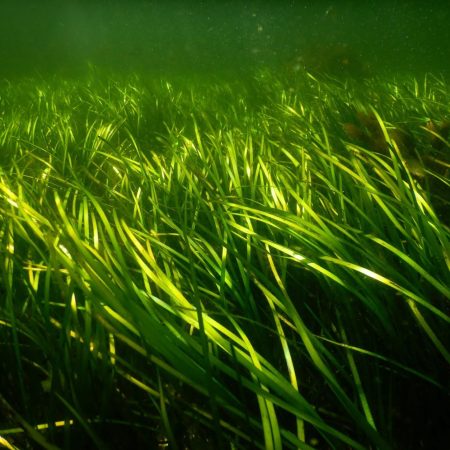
<point>439,133</point>
<point>368,131</point>
<point>185,265</point>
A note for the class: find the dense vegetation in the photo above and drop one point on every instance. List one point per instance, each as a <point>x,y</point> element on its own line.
<point>200,264</point>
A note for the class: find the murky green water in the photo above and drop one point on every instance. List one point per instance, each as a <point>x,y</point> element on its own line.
<point>223,36</point>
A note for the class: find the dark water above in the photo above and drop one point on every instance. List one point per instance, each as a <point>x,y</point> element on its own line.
<point>223,36</point>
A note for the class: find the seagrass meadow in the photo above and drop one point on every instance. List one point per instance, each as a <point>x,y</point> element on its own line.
<point>250,263</point>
